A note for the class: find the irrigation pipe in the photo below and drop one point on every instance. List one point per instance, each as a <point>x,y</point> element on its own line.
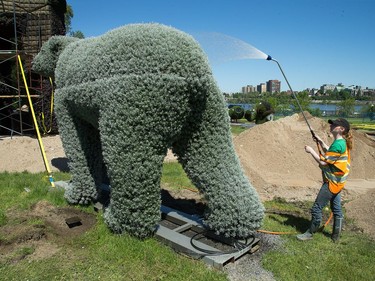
<point>51,180</point>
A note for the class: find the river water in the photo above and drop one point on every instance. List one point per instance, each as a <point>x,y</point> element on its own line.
<point>324,107</point>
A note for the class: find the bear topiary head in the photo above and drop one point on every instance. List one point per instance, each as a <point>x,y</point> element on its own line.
<point>46,60</point>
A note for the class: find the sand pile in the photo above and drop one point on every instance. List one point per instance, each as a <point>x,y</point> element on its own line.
<point>274,159</point>
<point>22,153</point>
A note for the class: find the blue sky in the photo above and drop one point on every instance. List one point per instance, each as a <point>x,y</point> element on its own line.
<point>315,41</point>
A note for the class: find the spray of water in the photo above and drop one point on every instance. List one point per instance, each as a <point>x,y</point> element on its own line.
<point>222,48</point>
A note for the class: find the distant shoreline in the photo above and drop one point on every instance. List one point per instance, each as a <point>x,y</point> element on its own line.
<point>357,102</point>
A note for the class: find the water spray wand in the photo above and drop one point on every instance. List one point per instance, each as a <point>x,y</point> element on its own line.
<point>294,95</point>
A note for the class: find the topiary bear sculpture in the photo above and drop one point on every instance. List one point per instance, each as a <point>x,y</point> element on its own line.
<point>123,99</point>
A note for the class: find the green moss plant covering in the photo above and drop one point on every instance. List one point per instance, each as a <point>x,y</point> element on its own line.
<point>122,100</point>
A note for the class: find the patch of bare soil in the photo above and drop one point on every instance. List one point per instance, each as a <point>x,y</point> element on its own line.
<point>41,231</point>
<point>362,210</point>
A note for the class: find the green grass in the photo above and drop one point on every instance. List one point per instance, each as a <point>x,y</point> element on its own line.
<point>98,254</point>
<point>101,255</point>
<point>319,259</point>
<point>358,123</point>
<point>21,190</point>
<point>236,130</point>
<point>364,126</point>
<point>174,177</point>
<point>3,217</point>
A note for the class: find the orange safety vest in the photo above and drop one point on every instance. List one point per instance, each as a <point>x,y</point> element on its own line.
<point>337,170</point>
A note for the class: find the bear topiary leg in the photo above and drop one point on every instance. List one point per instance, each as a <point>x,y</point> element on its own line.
<point>134,162</point>
<point>207,154</point>
<point>82,147</point>
<point>136,130</point>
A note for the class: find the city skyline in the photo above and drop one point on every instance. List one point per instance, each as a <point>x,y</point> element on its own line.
<point>249,88</point>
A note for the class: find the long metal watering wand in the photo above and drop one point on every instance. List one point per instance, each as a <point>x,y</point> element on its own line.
<point>311,131</point>
<point>294,95</point>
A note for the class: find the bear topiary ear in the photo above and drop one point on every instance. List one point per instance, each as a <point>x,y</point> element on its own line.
<point>58,43</point>
<point>45,62</point>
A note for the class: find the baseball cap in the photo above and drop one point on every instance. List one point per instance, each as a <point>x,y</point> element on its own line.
<point>340,122</point>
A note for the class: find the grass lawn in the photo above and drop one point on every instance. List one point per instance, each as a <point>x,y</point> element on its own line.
<point>358,123</point>
<point>96,255</point>
<point>236,130</point>
<point>351,258</point>
<point>101,255</point>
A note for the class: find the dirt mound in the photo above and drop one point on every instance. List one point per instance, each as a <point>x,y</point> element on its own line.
<point>362,210</point>
<point>273,157</point>
<point>22,153</point>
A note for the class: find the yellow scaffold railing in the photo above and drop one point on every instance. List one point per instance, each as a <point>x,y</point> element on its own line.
<point>36,126</point>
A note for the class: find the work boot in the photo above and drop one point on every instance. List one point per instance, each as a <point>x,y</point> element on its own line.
<point>337,226</point>
<point>305,236</point>
<point>308,235</point>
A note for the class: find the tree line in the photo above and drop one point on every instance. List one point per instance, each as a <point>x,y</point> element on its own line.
<point>285,104</point>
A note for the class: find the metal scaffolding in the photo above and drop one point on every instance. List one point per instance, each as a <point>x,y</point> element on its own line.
<point>24,26</point>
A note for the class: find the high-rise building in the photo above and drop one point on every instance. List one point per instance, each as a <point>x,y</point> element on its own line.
<point>261,88</point>
<point>273,86</point>
<point>327,87</point>
<point>248,89</point>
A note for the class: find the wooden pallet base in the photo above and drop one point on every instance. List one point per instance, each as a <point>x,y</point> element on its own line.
<point>186,234</point>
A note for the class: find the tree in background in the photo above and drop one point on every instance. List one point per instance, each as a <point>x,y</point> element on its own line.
<point>263,112</point>
<point>369,111</point>
<point>304,101</point>
<point>69,14</point>
<point>68,18</point>
<point>346,107</point>
<point>77,34</point>
<point>249,115</point>
<point>236,113</point>
<point>344,94</point>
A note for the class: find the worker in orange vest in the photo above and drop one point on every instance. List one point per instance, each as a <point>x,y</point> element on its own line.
<point>334,161</point>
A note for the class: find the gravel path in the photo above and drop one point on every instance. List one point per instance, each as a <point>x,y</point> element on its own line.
<point>249,267</point>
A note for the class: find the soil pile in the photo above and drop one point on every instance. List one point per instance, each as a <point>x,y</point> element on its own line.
<point>274,159</point>
<point>362,210</point>
<point>22,153</point>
